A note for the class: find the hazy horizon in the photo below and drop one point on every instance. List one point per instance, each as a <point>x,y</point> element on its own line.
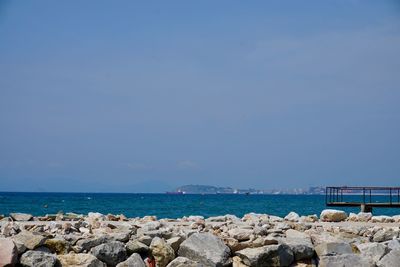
<point>126,96</point>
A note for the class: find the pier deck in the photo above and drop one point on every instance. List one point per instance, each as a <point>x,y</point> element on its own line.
<point>364,197</point>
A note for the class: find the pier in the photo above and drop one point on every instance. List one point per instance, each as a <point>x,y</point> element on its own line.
<point>364,197</point>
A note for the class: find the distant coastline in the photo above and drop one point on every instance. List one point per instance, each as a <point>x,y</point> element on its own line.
<point>208,189</point>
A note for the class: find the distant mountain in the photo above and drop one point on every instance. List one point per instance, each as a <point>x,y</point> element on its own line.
<point>204,189</point>
<point>208,189</point>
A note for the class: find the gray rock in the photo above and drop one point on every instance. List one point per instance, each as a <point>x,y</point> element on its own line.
<point>21,216</point>
<point>120,236</point>
<point>133,261</point>
<point>38,259</point>
<point>272,255</point>
<point>175,242</point>
<point>240,234</point>
<point>80,259</point>
<point>183,262</point>
<point>300,243</point>
<point>392,259</point>
<point>111,253</point>
<point>87,243</point>
<point>393,244</point>
<point>385,234</point>
<point>333,248</point>
<point>205,248</point>
<point>134,246</point>
<point>302,249</point>
<point>8,252</point>
<point>145,239</point>
<point>27,240</point>
<point>162,252</point>
<point>345,260</point>
<point>373,250</point>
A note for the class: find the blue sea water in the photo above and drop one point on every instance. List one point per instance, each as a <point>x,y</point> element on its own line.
<point>167,206</point>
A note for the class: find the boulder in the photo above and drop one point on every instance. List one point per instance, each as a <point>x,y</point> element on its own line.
<point>238,262</point>
<point>175,242</point>
<point>240,234</point>
<point>364,216</point>
<point>8,252</point>
<point>300,243</point>
<point>58,245</point>
<point>84,245</point>
<point>272,255</point>
<point>162,252</point>
<point>183,262</point>
<point>33,258</point>
<point>9,229</point>
<point>333,248</point>
<point>385,234</point>
<point>145,239</point>
<point>345,260</point>
<point>392,259</point>
<point>79,260</point>
<point>27,240</point>
<point>396,218</point>
<point>133,261</point>
<point>134,246</point>
<point>375,251</point>
<point>393,244</point>
<point>20,217</point>
<point>292,217</point>
<point>205,248</point>
<point>330,215</point>
<point>111,253</point>
<point>382,219</point>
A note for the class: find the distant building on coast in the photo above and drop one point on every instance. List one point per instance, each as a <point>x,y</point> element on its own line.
<point>208,189</point>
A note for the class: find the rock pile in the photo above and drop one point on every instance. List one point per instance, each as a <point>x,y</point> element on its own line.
<point>333,239</point>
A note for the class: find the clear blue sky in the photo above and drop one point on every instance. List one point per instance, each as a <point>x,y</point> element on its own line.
<point>143,96</point>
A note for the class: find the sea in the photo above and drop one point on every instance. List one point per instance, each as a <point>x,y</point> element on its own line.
<point>168,205</point>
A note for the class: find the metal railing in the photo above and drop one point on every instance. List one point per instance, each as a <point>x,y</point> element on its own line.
<point>355,196</point>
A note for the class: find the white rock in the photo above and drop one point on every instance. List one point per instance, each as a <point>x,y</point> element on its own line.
<point>382,219</point>
<point>21,216</point>
<point>330,215</point>
<point>396,218</point>
<point>364,216</point>
<point>292,217</point>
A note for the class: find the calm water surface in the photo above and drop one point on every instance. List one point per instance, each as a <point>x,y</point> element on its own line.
<point>167,206</point>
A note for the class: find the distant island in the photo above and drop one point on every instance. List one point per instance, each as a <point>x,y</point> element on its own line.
<point>208,189</point>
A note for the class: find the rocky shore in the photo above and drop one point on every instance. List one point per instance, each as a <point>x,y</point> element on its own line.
<point>332,239</point>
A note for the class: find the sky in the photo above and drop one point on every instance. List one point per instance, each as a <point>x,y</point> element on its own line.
<point>145,96</point>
